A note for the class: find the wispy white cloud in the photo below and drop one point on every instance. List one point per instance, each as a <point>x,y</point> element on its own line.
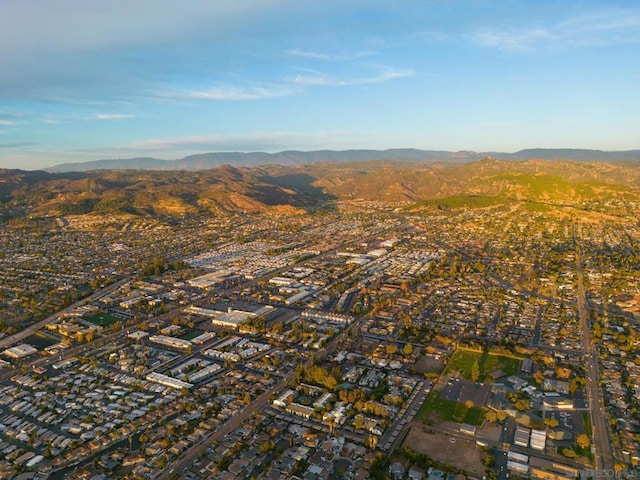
<point>230,93</point>
<point>281,88</point>
<point>325,80</point>
<point>512,40</point>
<point>112,116</point>
<point>118,22</point>
<point>7,123</point>
<point>314,55</point>
<point>610,28</point>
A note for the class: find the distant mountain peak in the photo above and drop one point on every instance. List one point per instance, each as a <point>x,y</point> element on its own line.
<point>206,161</point>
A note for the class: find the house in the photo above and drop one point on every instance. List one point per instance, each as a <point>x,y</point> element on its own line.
<point>396,470</point>
<point>416,473</point>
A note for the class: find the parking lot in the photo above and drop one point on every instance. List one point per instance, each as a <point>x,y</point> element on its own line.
<point>460,390</point>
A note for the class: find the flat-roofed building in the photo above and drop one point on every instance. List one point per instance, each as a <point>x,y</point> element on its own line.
<point>300,410</point>
<point>20,351</point>
<point>171,342</point>
<point>517,457</point>
<point>204,338</point>
<point>214,278</point>
<point>517,467</point>
<point>521,437</point>
<point>538,439</point>
<point>168,381</point>
<point>556,402</point>
<point>138,335</point>
<point>283,400</point>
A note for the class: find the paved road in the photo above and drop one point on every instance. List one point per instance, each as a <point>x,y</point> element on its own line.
<point>604,460</point>
<point>259,403</point>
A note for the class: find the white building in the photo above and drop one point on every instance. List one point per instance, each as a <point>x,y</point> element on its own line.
<point>20,351</point>
<point>168,381</point>
<point>283,400</point>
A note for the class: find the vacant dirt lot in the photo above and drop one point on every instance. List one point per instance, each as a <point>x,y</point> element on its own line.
<point>462,454</point>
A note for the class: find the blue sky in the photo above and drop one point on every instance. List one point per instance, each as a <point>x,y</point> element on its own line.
<point>86,79</point>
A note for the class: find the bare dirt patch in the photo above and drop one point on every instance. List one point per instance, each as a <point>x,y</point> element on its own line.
<point>455,451</point>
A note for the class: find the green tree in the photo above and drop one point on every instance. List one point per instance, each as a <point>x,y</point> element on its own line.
<point>583,440</point>
<point>267,446</point>
<point>475,370</point>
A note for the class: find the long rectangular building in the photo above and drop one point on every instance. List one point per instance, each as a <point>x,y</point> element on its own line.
<point>171,342</point>
<point>168,381</point>
<point>521,437</point>
<point>538,439</point>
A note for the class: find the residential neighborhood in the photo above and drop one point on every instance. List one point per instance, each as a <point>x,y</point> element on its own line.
<point>367,345</point>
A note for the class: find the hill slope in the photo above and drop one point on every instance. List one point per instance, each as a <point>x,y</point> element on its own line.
<point>533,180</point>
<point>149,192</point>
<point>294,189</point>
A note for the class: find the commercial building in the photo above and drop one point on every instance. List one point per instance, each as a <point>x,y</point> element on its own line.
<point>138,335</point>
<point>554,401</point>
<point>212,279</point>
<point>330,317</point>
<point>517,467</point>
<point>171,342</point>
<point>204,338</point>
<point>20,351</point>
<point>538,439</point>
<point>521,438</point>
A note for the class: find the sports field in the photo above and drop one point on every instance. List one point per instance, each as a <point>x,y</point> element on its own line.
<point>103,319</point>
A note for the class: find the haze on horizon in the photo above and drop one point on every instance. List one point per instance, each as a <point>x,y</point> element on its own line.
<point>82,81</point>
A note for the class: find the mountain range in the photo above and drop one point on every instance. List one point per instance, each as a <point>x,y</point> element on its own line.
<point>296,189</point>
<point>207,161</point>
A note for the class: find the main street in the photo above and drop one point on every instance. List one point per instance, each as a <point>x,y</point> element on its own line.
<point>604,460</point>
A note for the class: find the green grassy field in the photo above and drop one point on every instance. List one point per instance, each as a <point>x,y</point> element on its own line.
<point>536,207</point>
<point>586,419</point>
<point>103,319</point>
<point>463,360</point>
<point>446,410</point>
<point>191,334</point>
